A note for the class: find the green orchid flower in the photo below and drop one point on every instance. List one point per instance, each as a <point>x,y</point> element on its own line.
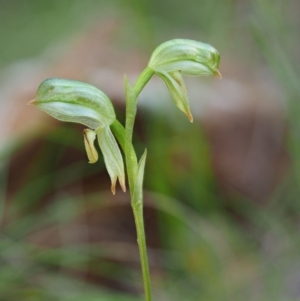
<point>73,101</point>
<point>179,57</point>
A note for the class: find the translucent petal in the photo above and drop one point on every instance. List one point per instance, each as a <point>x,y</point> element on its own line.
<point>112,157</point>
<point>177,89</point>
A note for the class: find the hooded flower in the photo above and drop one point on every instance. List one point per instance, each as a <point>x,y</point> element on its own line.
<point>74,101</point>
<point>176,57</point>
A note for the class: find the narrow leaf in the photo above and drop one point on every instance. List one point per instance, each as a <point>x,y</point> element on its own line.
<point>137,198</point>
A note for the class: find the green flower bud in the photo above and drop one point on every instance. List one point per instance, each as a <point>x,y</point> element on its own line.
<point>188,58</point>
<point>73,101</point>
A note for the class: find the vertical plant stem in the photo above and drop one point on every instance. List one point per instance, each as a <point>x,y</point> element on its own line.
<point>135,172</point>
<point>141,240</point>
<point>137,207</point>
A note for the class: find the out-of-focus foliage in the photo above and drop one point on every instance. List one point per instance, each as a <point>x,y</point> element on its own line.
<point>63,237</point>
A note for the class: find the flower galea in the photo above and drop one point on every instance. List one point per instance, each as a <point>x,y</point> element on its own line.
<point>178,57</point>
<point>73,101</point>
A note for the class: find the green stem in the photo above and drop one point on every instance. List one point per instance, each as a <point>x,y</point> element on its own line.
<point>119,132</point>
<point>142,80</point>
<point>134,170</point>
<point>135,173</point>
<point>137,208</point>
<point>141,240</point>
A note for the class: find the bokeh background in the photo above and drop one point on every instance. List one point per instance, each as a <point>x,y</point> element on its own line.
<point>222,204</point>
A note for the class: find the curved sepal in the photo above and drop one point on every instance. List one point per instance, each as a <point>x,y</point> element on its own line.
<point>73,101</point>
<point>188,56</point>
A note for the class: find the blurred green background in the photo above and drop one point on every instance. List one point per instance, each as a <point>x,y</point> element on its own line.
<point>222,203</point>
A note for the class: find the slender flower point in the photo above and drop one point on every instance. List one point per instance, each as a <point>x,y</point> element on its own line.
<point>186,57</point>
<point>89,138</point>
<point>218,74</point>
<point>73,101</point>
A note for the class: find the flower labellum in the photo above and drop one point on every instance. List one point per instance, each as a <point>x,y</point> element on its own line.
<point>89,138</point>
<point>187,57</point>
